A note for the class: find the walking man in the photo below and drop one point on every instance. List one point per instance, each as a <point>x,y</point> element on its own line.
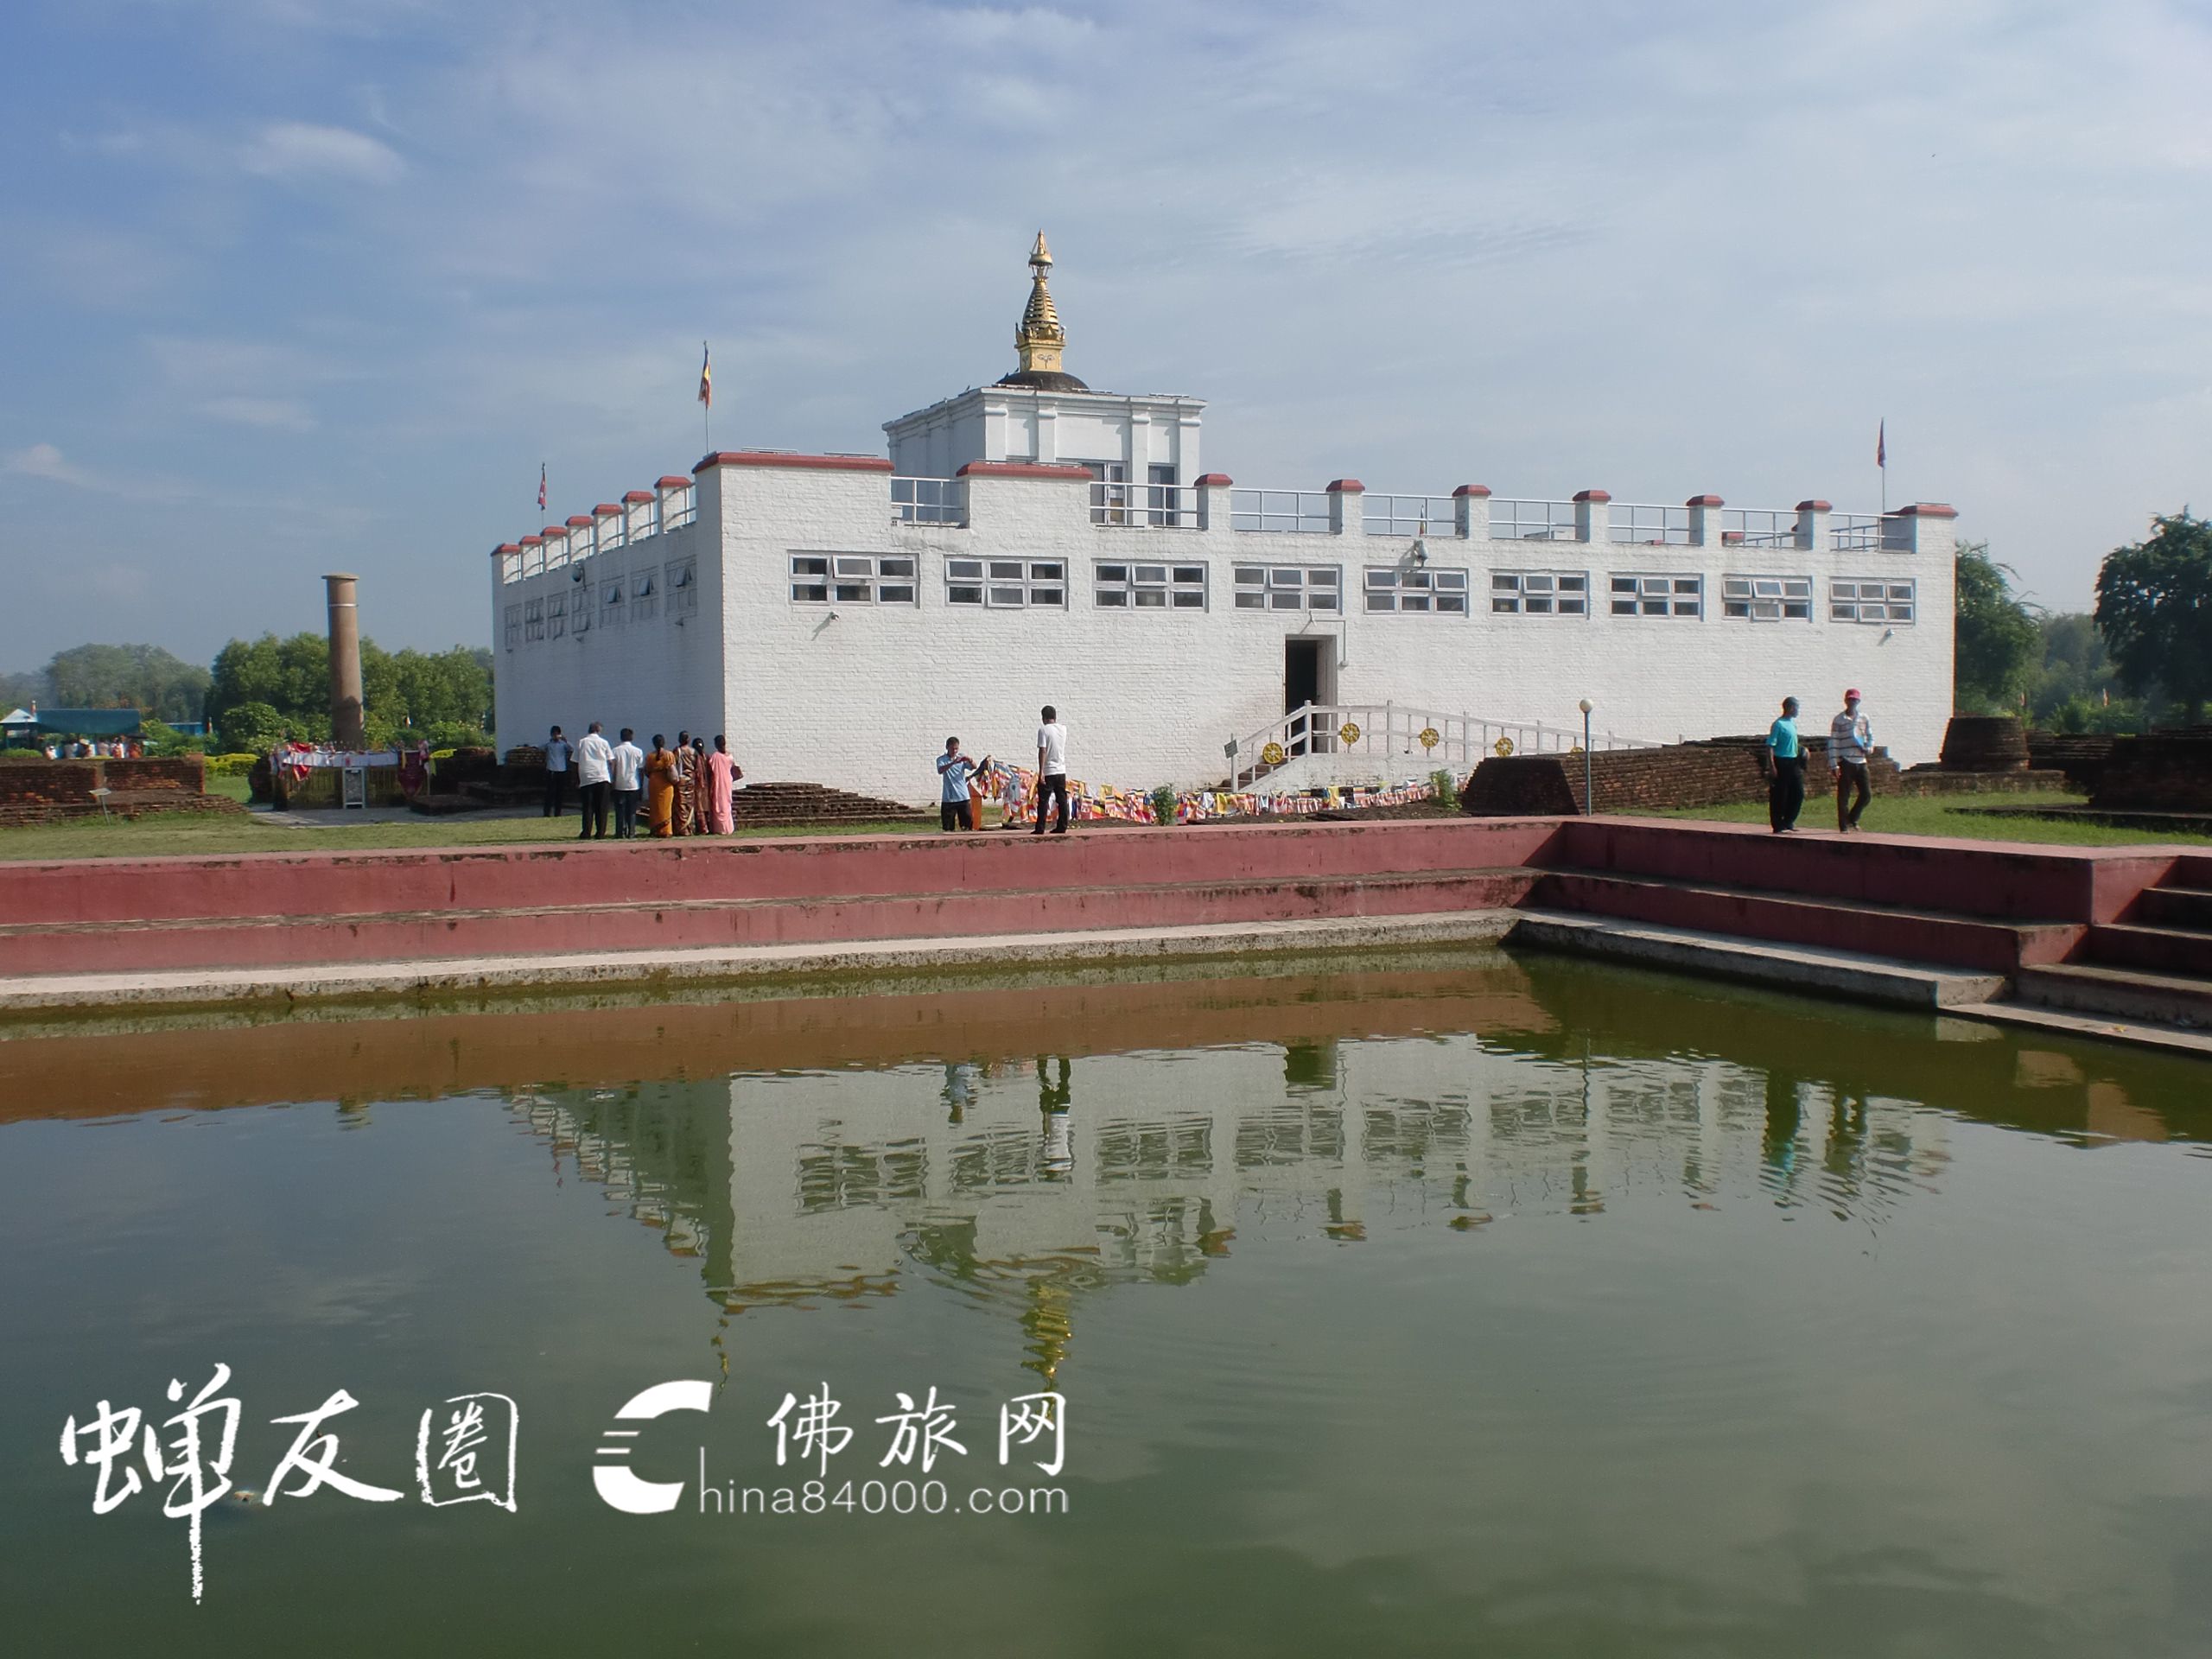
<point>1051,770</point>
<point>626,774</point>
<point>1850,746</point>
<point>956,769</point>
<point>594,759</point>
<point>1785,784</point>
<point>556,772</point>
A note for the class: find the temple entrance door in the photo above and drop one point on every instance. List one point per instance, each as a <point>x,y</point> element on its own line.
<point>1307,673</point>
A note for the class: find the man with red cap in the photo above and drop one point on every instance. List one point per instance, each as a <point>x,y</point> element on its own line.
<point>1851,746</point>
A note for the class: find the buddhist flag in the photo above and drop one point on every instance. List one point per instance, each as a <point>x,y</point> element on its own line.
<point>706,375</point>
<point>541,486</point>
<point>1882,445</point>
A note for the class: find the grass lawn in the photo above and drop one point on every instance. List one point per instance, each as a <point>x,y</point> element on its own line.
<point>1936,815</point>
<point>167,836</point>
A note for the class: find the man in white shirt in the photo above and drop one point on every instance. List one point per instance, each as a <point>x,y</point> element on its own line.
<point>556,772</point>
<point>594,759</point>
<point>625,772</point>
<point>1851,746</point>
<point>1051,770</point>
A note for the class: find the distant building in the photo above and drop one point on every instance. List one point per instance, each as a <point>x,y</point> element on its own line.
<point>38,725</point>
<point>1037,540</point>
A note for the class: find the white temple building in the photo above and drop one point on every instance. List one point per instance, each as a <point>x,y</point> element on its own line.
<point>1038,542</point>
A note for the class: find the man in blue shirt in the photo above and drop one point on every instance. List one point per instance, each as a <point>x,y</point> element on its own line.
<point>956,769</point>
<point>1785,784</point>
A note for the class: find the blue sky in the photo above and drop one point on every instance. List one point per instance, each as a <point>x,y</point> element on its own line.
<point>292,286</point>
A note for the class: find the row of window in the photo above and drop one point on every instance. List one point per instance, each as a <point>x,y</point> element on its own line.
<point>1015,584</point>
<point>634,597</point>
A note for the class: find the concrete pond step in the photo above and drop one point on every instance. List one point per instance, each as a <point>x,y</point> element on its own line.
<point>2161,950</point>
<point>2189,908</point>
<point>527,930</point>
<point>1944,938</point>
<point>2132,994</point>
<point>1855,975</point>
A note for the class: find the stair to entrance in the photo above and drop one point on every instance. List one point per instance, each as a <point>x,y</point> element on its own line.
<point>2152,965</point>
<point>2123,933</point>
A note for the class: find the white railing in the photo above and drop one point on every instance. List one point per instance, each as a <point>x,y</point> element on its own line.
<point>1852,532</point>
<point>1512,520</point>
<point>613,533</point>
<point>929,501</point>
<point>1394,738</point>
<point>1758,527</point>
<point>1406,515</point>
<point>681,513</point>
<point>1155,506</point>
<point>1279,511</point>
<point>1635,524</point>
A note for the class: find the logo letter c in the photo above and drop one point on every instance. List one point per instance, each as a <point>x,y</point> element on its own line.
<point>617,1486</point>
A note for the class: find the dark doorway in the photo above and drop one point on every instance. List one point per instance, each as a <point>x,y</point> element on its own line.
<point>1304,681</point>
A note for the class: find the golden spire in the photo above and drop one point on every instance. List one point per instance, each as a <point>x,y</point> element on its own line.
<point>1040,337</point>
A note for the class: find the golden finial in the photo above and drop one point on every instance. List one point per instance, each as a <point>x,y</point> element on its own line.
<point>1040,337</point>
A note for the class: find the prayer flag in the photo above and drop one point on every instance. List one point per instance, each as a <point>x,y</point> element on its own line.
<point>541,486</point>
<point>1882,444</point>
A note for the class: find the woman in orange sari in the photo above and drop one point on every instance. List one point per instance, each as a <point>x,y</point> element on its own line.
<point>660,787</point>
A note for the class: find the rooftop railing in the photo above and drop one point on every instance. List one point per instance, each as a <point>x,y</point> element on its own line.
<point>1156,507</point>
<point>1279,511</point>
<point>1382,514</point>
<point>929,501</point>
<point>1638,524</point>
<point>1521,520</point>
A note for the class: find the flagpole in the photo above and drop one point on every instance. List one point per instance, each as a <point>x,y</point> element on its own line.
<point>1881,464</point>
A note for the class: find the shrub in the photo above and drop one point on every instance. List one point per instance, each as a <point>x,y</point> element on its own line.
<point>1446,786</point>
<point>231,766</point>
<point>1163,804</point>
<point>255,726</point>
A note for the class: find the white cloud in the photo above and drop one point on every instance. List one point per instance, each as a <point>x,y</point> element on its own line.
<point>297,151</point>
<point>275,414</point>
<point>44,460</point>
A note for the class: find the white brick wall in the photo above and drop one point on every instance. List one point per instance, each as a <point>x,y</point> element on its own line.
<point>1149,697</point>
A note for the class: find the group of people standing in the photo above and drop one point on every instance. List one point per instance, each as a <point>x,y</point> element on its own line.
<point>960,802</point>
<point>1851,748</point>
<point>689,790</point>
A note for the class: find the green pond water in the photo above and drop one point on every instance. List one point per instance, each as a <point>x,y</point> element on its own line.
<point>1460,1304</point>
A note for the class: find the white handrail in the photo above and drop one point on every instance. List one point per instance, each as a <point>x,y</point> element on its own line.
<point>1391,736</point>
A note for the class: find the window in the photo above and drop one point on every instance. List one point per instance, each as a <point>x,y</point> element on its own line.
<point>1659,597</point>
<point>1152,587</point>
<point>556,615</point>
<point>1767,599</point>
<point>610,601</point>
<point>580,610</point>
<point>533,619</point>
<point>683,578</point>
<point>853,578</point>
<point>1390,587</point>
<point>514,626</point>
<point>1110,491</point>
<point>1540,592</point>
<point>1007,584</point>
<point>645,596</point>
<point>1289,588</point>
<point>1871,602</point>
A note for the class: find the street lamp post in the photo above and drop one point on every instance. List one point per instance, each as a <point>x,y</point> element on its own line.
<point>1588,804</point>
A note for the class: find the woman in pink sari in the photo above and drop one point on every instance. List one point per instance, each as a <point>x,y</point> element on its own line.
<point>723,772</point>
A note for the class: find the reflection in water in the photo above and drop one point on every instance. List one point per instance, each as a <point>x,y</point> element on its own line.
<point>812,1186</point>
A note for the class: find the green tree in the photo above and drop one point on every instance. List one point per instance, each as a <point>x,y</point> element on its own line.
<point>145,677</point>
<point>1997,640</point>
<point>2154,608</point>
<point>21,690</point>
<point>402,692</point>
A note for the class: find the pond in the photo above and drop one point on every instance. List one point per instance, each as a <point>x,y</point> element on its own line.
<point>1452,1303</point>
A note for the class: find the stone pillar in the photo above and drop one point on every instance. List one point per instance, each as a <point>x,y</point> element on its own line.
<point>1593,517</point>
<point>1471,512</point>
<point>1214,501</point>
<point>345,663</point>
<point>1924,527</point>
<point>1812,525</point>
<point>1345,499</point>
<point>1705,520</point>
